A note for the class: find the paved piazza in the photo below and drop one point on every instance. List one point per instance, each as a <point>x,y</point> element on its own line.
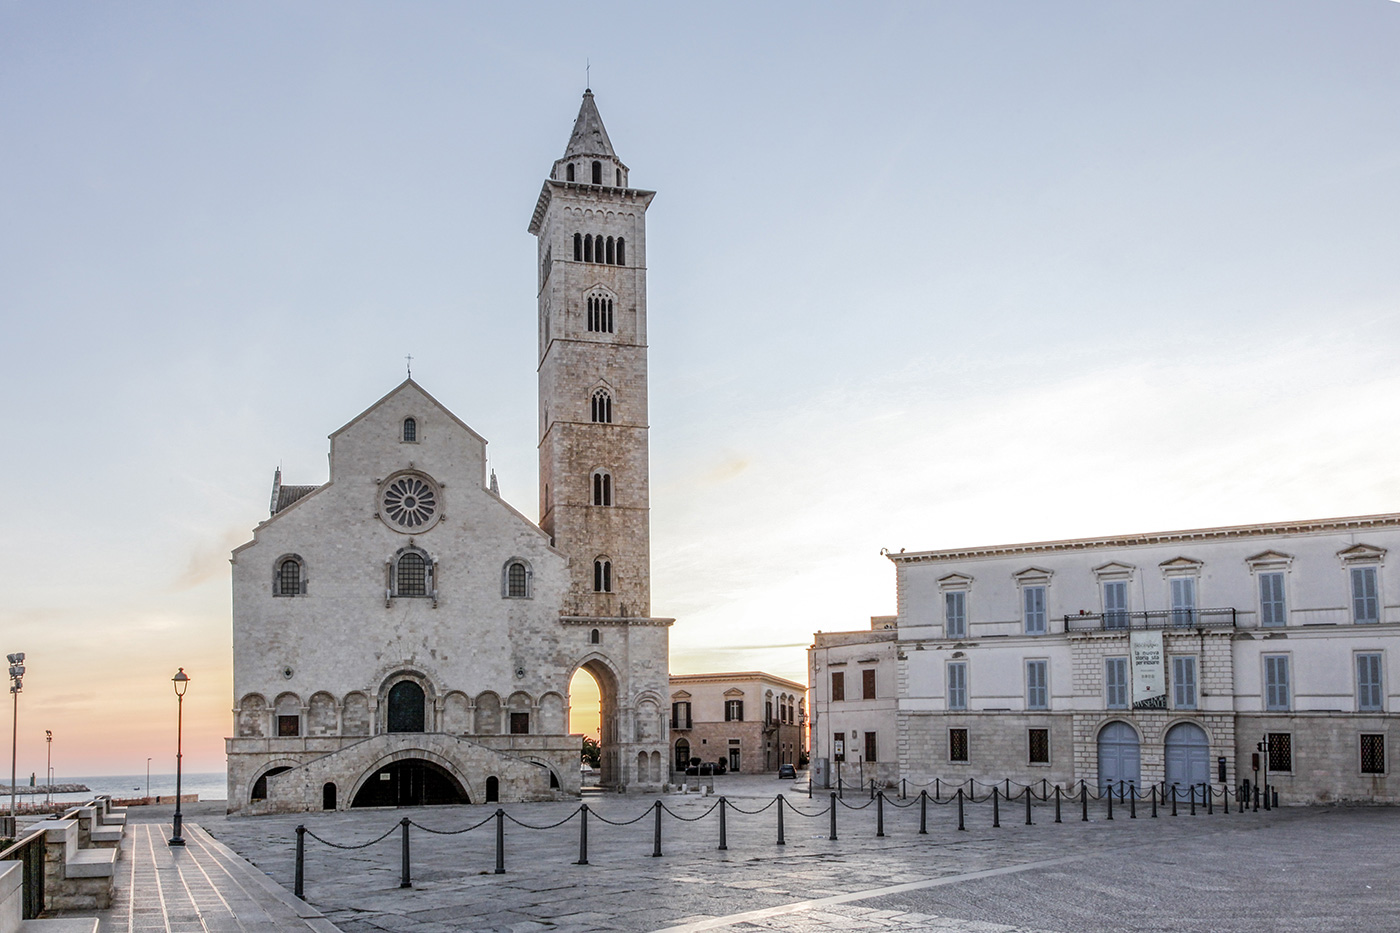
<point>1295,869</point>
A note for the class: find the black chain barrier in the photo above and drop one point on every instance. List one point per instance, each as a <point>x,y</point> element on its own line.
<point>961,793</point>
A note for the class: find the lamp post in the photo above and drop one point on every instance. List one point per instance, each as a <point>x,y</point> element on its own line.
<point>16,685</point>
<point>48,771</point>
<point>181,680</point>
<point>148,781</point>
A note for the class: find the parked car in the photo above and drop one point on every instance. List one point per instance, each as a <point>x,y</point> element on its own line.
<point>787,773</point>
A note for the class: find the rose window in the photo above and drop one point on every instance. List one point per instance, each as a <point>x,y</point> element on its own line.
<point>409,503</point>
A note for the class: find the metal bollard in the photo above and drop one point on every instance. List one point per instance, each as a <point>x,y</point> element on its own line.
<point>832,835</point>
<point>1175,794</point>
<point>500,841</point>
<point>1057,803</point>
<point>781,840</point>
<point>840,789</point>
<point>1044,789</point>
<point>582,835</point>
<point>960,810</point>
<point>1110,801</point>
<point>656,836</point>
<point>1256,799</point>
<point>299,887</point>
<point>937,789</point>
<point>996,808</point>
<point>1132,801</point>
<point>1028,806</point>
<point>406,881</point>
<point>880,815</point>
<point>1210,799</point>
<point>1083,802</point>
<point>1154,801</point>
<point>723,840</point>
<point>923,813</point>
<point>872,788</point>
<point>903,789</point>
<point>1193,799</point>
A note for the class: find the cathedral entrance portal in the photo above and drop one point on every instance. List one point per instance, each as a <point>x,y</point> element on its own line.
<point>412,782</point>
<point>604,682</point>
<point>406,703</point>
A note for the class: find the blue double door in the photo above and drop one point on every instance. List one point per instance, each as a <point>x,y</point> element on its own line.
<point>1187,758</point>
<point>1120,757</point>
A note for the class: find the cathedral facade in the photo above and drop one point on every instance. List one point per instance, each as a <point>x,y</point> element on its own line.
<point>401,634</point>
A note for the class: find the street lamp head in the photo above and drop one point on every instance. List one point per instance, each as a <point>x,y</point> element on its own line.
<point>181,680</point>
<point>16,658</point>
<point>48,735</point>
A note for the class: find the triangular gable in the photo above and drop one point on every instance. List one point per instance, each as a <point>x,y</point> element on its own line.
<point>1269,559</point>
<point>733,692</point>
<point>1032,575</point>
<point>680,695</point>
<point>1114,570</point>
<point>395,391</point>
<point>954,580</point>
<point>1179,566</point>
<point>1361,553</point>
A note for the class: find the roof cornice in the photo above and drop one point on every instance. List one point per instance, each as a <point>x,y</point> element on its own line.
<point>1316,526</point>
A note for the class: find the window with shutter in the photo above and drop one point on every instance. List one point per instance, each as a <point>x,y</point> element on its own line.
<point>1272,609</point>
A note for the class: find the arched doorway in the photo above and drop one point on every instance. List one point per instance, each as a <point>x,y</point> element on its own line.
<point>682,760</point>
<point>406,706</point>
<point>1188,757</point>
<point>493,789</point>
<point>260,785</point>
<point>598,717</point>
<point>1119,756</point>
<point>412,782</point>
<point>328,796</point>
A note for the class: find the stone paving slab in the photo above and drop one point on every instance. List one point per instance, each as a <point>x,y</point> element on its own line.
<point>624,889</point>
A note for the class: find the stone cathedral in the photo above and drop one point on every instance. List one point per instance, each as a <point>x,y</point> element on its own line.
<point>402,635</point>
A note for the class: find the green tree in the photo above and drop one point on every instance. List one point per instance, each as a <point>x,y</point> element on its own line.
<point>592,752</point>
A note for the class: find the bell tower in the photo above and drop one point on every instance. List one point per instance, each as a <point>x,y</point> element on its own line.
<point>594,495</point>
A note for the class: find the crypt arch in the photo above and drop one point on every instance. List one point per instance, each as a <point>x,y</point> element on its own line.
<point>412,773</point>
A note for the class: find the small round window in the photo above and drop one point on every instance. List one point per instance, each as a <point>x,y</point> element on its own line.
<point>410,503</point>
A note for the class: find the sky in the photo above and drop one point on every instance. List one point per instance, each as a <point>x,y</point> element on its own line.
<point>921,275</point>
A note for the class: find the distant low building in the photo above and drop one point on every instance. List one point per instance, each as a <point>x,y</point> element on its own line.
<point>855,704</point>
<point>751,721</point>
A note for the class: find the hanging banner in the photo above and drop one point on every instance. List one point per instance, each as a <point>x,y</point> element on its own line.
<point>1149,670</point>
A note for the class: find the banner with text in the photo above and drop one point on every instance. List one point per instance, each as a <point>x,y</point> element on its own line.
<point>1149,670</point>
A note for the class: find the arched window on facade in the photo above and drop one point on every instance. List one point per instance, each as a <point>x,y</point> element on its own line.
<point>516,580</point>
<point>413,574</point>
<point>600,313</point>
<point>602,407</point>
<point>578,247</point>
<point>602,575</point>
<point>597,173</point>
<point>569,172</point>
<point>602,488</point>
<point>588,247</point>
<point>619,178</point>
<point>289,577</point>
<point>410,431</point>
<point>595,638</point>
<point>610,252</point>
<point>621,251</point>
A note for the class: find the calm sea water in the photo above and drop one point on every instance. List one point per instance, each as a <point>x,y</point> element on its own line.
<point>211,785</point>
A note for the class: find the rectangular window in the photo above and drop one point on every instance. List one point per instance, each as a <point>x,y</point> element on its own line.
<point>1039,743</point>
<point>519,723</point>
<point>733,710</point>
<point>1033,602</point>
<point>1276,692</point>
<point>734,759</point>
<point>870,748</point>
<point>838,685</point>
<point>867,683</point>
<point>1280,751</point>
<point>1273,611</point>
<point>1115,604</point>
<point>1184,682</point>
<point>1183,601</point>
<point>1368,683</point>
<point>955,614</point>
<point>680,714</point>
<point>1372,753</point>
<point>1037,685</point>
<point>957,685</point>
<point>1365,599</point>
<point>1115,682</point>
<point>957,745</point>
<point>289,725</point>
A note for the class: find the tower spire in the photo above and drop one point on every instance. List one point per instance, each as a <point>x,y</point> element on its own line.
<point>589,137</point>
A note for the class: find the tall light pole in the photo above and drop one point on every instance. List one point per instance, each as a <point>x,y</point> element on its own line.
<point>16,685</point>
<point>48,771</point>
<point>148,781</point>
<point>181,680</point>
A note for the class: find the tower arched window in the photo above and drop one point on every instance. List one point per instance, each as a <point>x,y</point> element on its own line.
<point>602,488</point>
<point>619,178</point>
<point>410,431</point>
<point>412,574</point>
<point>595,638</point>
<point>569,172</point>
<point>289,577</point>
<point>578,246</point>
<point>602,407</point>
<point>600,313</point>
<point>602,575</point>
<point>610,252</point>
<point>588,248</point>
<point>621,251</point>
<point>516,579</point>
<point>597,173</point>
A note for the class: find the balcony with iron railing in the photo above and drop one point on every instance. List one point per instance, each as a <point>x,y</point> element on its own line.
<point>1157,619</point>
